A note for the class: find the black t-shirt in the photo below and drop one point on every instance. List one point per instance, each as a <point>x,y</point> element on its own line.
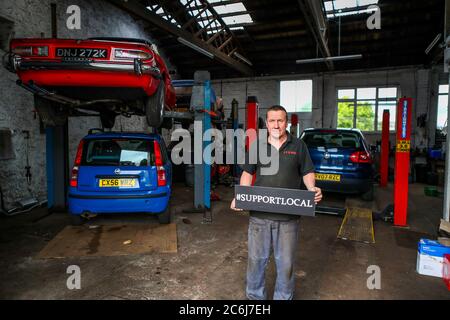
<point>294,163</point>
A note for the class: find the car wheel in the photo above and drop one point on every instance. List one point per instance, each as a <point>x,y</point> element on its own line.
<point>50,113</point>
<point>76,220</point>
<point>164,217</point>
<point>107,119</point>
<point>154,107</point>
<point>368,196</point>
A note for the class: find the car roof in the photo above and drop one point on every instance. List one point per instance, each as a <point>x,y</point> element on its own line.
<point>333,130</point>
<point>115,135</point>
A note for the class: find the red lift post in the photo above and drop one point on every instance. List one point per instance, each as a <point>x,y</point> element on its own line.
<point>294,125</point>
<point>252,123</point>
<point>403,146</point>
<point>384,163</point>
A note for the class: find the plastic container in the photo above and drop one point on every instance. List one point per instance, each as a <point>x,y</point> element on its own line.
<point>435,153</point>
<point>431,191</point>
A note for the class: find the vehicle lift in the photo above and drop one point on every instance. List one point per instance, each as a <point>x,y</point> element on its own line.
<point>200,111</point>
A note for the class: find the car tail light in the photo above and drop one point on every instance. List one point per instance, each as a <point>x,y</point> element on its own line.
<point>40,51</point>
<point>360,157</point>
<point>131,54</point>
<point>160,171</point>
<point>74,176</point>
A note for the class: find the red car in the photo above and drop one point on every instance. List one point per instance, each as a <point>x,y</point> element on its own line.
<point>108,75</point>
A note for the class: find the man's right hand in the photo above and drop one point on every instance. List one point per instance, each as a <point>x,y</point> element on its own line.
<point>233,205</point>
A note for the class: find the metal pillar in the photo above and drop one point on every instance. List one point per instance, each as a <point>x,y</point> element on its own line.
<point>446,213</point>
<point>402,155</point>
<point>384,162</point>
<point>201,102</point>
<point>252,119</point>
<point>235,125</point>
<point>57,167</point>
<point>57,152</point>
<point>294,125</point>
<point>252,123</point>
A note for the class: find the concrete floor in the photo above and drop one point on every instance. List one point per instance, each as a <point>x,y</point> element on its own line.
<point>211,259</point>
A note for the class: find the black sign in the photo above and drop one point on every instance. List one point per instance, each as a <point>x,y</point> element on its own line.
<point>276,200</point>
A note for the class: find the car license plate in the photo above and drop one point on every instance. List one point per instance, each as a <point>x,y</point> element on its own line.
<point>81,53</point>
<point>328,177</point>
<point>118,183</point>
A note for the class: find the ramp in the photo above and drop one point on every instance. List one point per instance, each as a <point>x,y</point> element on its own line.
<point>357,225</point>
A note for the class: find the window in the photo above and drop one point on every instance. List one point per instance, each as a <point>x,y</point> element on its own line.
<point>362,108</point>
<point>118,152</point>
<point>296,95</point>
<point>442,107</point>
<point>336,8</point>
<point>234,14</point>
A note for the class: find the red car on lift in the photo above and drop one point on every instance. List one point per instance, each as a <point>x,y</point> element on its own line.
<point>111,76</point>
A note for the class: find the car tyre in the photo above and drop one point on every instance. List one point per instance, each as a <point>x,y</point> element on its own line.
<point>368,196</point>
<point>50,113</point>
<point>107,119</point>
<point>164,217</point>
<point>154,107</point>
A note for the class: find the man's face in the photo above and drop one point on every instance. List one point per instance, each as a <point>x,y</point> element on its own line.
<point>276,123</point>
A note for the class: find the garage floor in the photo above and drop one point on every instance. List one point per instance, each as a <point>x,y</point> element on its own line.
<point>211,259</point>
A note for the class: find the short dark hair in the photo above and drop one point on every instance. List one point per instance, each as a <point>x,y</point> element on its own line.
<point>277,108</point>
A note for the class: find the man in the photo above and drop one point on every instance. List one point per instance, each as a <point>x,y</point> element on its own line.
<point>278,230</point>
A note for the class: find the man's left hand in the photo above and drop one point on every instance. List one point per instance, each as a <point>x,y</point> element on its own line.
<point>318,195</point>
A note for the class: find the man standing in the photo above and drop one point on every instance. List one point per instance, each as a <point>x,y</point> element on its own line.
<point>278,230</point>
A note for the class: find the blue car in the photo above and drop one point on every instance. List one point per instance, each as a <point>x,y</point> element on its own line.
<point>118,172</point>
<point>342,160</point>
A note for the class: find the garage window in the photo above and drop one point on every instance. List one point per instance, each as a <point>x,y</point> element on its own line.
<point>296,95</point>
<point>362,108</point>
<point>442,107</point>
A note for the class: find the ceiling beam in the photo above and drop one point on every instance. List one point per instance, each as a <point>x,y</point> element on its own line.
<point>317,24</point>
<point>135,8</point>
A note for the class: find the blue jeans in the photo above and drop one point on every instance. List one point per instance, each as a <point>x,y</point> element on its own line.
<point>262,234</point>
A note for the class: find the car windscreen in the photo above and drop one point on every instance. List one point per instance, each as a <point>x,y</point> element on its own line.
<point>118,152</point>
<point>334,139</point>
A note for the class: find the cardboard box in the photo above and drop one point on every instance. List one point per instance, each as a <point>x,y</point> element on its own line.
<point>430,257</point>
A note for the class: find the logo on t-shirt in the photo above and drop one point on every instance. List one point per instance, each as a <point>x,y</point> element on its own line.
<point>290,152</point>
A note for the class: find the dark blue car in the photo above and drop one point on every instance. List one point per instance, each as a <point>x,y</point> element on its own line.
<point>120,173</point>
<point>342,160</point>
